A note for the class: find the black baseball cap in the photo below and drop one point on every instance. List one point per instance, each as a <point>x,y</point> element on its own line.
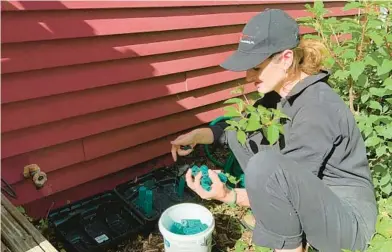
<point>269,32</point>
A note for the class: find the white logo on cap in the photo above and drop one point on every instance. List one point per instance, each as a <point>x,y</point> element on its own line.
<point>247,39</point>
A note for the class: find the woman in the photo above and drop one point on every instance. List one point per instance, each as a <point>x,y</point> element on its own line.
<point>315,185</point>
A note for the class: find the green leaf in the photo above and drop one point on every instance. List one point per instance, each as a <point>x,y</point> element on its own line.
<point>233,123</point>
<point>372,59</point>
<point>329,62</point>
<point>376,37</point>
<point>385,179</point>
<point>261,95</point>
<point>262,110</point>
<point>372,141</point>
<point>345,27</point>
<point>241,136</point>
<point>374,24</point>
<point>385,108</point>
<point>384,119</point>
<point>231,112</point>
<point>264,120</point>
<point>363,80</point>
<point>356,68</point>
<point>250,108</point>
<point>253,125</point>
<point>243,122</point>
<point>380,92</point>
<point>389,37</point>
<point>352,5</point>
<point>233,100</point>
<point>341,74</point>
<point>367,131</point>
<point>311,36</point>
<point>375,182</point>
<point>254,116</point>
<point>261,249</point>
<point>387,190</point>
<point>331,21</point>
<point>279,114</point>
<point>232,180</point>
<point>272,134</point>
<point>388,83</point>
<point>365,97</point>
<point>388,131</point>
<point>349,54</point>
<point>380,130</point>
<point>378,168</point>
<point>370,120</point>
<point>304,19</point>
<point>375,105</point>
<point>319,8</point>
<point>240,246</point>
<point>385,67</point>
<point>238,90</point>
<point>230,128</point>
<point>383,52</point>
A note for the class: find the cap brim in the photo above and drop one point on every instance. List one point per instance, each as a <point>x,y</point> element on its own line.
<point>240,61</point>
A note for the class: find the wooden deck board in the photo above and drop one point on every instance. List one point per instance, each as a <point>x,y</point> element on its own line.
<point>18,234</point>
<point>4,247</point>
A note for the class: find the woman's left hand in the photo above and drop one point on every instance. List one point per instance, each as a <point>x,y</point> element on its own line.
<point>218,191</point>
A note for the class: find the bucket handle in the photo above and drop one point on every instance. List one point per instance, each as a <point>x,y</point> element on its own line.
<point>205,242</point>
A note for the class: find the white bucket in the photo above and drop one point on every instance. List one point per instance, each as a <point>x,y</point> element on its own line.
<point>201,242</point>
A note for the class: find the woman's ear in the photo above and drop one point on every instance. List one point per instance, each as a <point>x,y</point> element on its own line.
<point>287,59</point>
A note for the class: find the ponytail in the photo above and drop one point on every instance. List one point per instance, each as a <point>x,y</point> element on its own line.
<point>308,57</point>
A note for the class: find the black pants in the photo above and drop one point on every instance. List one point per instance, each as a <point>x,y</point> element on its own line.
<point>290,203</point>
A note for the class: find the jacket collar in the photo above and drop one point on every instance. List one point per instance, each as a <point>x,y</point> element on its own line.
<point>308,81</point>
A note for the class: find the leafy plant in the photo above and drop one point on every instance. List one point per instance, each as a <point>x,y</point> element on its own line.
<point>242,246</point>
<point>382,240</point>
<point>360,57</point>
<point>248,118</point>
<point>360,60</point>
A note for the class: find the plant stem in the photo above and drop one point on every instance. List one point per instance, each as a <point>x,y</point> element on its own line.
<point>387,45</point>
<point>334,34</point>
<point>361,45</point>
<point>351,94</point>
<point>246,99</point>
<point>330,51</point>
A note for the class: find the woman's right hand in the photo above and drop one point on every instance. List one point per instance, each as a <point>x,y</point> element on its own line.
<point>188,139</point>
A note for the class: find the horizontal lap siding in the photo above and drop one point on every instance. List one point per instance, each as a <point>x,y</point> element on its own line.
<point>92,88</point>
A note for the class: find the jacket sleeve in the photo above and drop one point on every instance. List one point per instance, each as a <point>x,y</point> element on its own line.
<point>311,138</point>
<point>218,130</point>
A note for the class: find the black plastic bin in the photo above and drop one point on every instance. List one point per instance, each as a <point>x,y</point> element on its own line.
<point>96,223</point>
<point>163,183</point>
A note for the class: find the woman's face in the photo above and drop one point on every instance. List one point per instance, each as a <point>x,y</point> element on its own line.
<point>268,76</point>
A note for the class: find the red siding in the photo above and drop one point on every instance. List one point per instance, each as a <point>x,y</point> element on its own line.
<point>92,88</point>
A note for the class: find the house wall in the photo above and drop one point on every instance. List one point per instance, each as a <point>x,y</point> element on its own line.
<point>93,92</point>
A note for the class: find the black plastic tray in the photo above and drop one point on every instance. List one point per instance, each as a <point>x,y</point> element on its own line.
<point>96,223</point>
<point>164,193</point>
